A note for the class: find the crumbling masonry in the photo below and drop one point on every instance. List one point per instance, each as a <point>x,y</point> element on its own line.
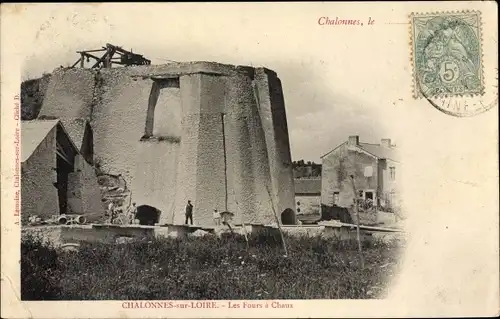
<point>212,133</point>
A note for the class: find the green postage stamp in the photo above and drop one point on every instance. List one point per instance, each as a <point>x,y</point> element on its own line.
<point>447,54</point>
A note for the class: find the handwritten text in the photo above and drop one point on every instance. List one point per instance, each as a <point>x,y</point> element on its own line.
<point>346,22</point>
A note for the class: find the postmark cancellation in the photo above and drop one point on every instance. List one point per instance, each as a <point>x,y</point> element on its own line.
<point>447,54</point>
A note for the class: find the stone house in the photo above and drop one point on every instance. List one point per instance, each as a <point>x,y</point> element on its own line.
<point>55,177</point>
<point>374,167</point>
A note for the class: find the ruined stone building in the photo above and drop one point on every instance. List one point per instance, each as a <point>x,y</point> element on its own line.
<point>211,133</point>
<point>375,168</point>
<point>56,173</point>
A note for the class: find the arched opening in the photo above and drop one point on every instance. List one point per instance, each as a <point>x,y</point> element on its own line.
<point>288,217</point>
<point>148,215</point>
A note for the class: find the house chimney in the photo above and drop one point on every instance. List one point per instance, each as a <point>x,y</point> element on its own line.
<point>386,142</point>
<point>353,140</point>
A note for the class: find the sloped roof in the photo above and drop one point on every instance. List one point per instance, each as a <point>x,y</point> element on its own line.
<point>381,151</point>
<point>76,130</point>
<point>32,134</point>
<point>333,150</point>
<point>376,150</point>
<point>307,186</point>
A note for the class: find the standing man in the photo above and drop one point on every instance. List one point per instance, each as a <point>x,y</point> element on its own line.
<point>132,211</point>
<point>111,212</point>
<point>216,216</point>
<point>189,212</point>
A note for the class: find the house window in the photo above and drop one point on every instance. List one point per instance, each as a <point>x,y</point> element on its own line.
<point>369,195</point>
<point>391,198</point>
<point>368,171</point>
<point>392,171</point>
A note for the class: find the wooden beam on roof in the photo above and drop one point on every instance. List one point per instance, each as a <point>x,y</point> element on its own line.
<point>124,57</point>
<point>102,59</point>
<point>91,55</point>
<point>77,61</point>
<point>95,50</point>
<point>60,149</point>
<point>64,158</point>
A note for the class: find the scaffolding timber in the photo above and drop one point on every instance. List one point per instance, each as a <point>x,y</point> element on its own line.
<point>112,55</point>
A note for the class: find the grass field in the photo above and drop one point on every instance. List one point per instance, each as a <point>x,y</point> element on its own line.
<point>208,268</point>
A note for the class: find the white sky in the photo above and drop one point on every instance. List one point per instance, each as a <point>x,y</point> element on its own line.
<point>328,94</point>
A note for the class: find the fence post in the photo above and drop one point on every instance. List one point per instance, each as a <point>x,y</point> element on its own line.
<point>358,236</point>
<point>278,222</point>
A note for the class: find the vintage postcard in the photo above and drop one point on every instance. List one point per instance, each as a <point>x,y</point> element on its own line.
<point>249,160</point>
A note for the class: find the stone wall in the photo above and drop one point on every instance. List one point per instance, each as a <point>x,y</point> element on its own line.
<point>308,205</point>
<point>155,178</point>
<point>249,174</point>
<point>38,173</point>
<point>85,194</point>
<point>269,94</point>
<point>200,168</point>
<point>32,95</point>
<point>115,234</point>
<point>69,94</point>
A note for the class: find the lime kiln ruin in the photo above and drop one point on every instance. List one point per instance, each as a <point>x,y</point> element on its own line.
<point>212,133</point>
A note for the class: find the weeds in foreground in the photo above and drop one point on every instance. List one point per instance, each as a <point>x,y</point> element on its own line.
<point>207,268</point>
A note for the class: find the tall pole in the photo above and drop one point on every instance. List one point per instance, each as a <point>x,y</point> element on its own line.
<point>278,222</point>
<point>242,219</point>
<point>225,159</point>
<point>358,236</point>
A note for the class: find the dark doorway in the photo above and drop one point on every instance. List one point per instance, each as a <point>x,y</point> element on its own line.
<point>87,148</point>
<point>148,215</point>
<point>336,198</point>
<point>288,217</point>
<point>63,170</point>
